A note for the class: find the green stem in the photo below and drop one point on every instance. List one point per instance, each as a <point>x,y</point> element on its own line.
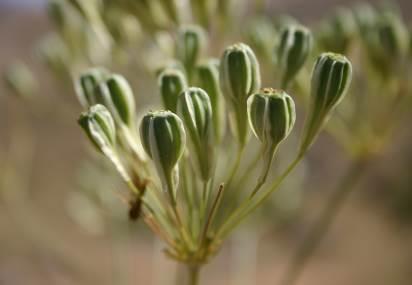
<point>326,218</point>
<point>194,274</point>
<point>235,166</point>
<point>268,154</point>
<point>249,206</point>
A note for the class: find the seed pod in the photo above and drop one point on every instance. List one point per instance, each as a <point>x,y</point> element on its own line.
<point>292,51</point>
<point>196,112</point>
<point>118,97</point>
<point>99,126</point>
<point>163,138</point>
<point>171,83</point>
<point>190,43</point>
<point>331,78</point>
<point>87,86</point>
<point>271,115</point>
<point>239,78</point>
<point>337,34</point>
<point>207,78</point>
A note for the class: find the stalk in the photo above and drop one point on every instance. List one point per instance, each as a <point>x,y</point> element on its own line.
<point>326,218</point>
<point>194,274</point>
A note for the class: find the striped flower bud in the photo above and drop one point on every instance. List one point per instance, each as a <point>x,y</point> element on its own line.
<point>393,36</point>
<point>99,126</point>
<point>163,138</point>
<point>87,86</point>
<point>190,43</point>
<point>271,115</point>
<point>171,83</point>
<point>337,34</point>
<point>118,97</point>
<point>293,49</point>
<point>239,78</point>
<point>196,112</point>
<point>207,78</point>
<point>331,78</point>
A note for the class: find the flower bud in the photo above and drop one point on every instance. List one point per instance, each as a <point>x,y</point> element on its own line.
<point>292,51</point>
<point>207,78</point>
<point>87,86</point>
<point>239,72</point>
<point>171,83</point>
<point>271,115</point>
<point>163,138</point>
<point>190,43</point>
<point>331,78</point>
<point>99,126</point>
<point>19,79</point>
<point>337,34</point>
<point>118,97</point>
<point>393,36</point>
<point>239,78</point>
<point>196,112</point>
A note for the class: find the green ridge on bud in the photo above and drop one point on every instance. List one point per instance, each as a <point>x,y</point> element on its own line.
<point>87,86</point>
<point>190,43</point>
<point>331,78</point>
<point>272,115</point>
<point>293,49</point>
<point>163,138</point>
<point>338,32</point>
<point>118,97</point>
<point>171,83</point>
<point>207,78</point>
<point>239,78</point>
<point>99,126</point>
<point>196,112</point>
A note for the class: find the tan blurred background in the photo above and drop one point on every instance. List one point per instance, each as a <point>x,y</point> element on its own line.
<point>40,243</point>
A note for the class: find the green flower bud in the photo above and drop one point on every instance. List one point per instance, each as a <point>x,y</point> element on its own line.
<point>55,9</point>
<point>393,36</point>
<point>118,97</point>
<point>271,115</point>
<point>207,78</point>
<point>88,86</point>
<point>99,126</point>
<point>196,112</point>
<point>163,138</point>
<point>337,34</point>
<point>331,78</point>
<point>292,51</point>
<point>239,78</point>
<point>365,16</point>
<point>171,83</point>
<point>19,79</point>
<point>261,33</point>
<point>190,43</point>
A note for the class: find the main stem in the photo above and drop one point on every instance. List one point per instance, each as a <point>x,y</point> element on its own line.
<point>324,221</point>
<point>194,274</point>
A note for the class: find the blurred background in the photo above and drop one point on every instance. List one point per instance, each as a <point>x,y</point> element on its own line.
<point>51,234</point>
